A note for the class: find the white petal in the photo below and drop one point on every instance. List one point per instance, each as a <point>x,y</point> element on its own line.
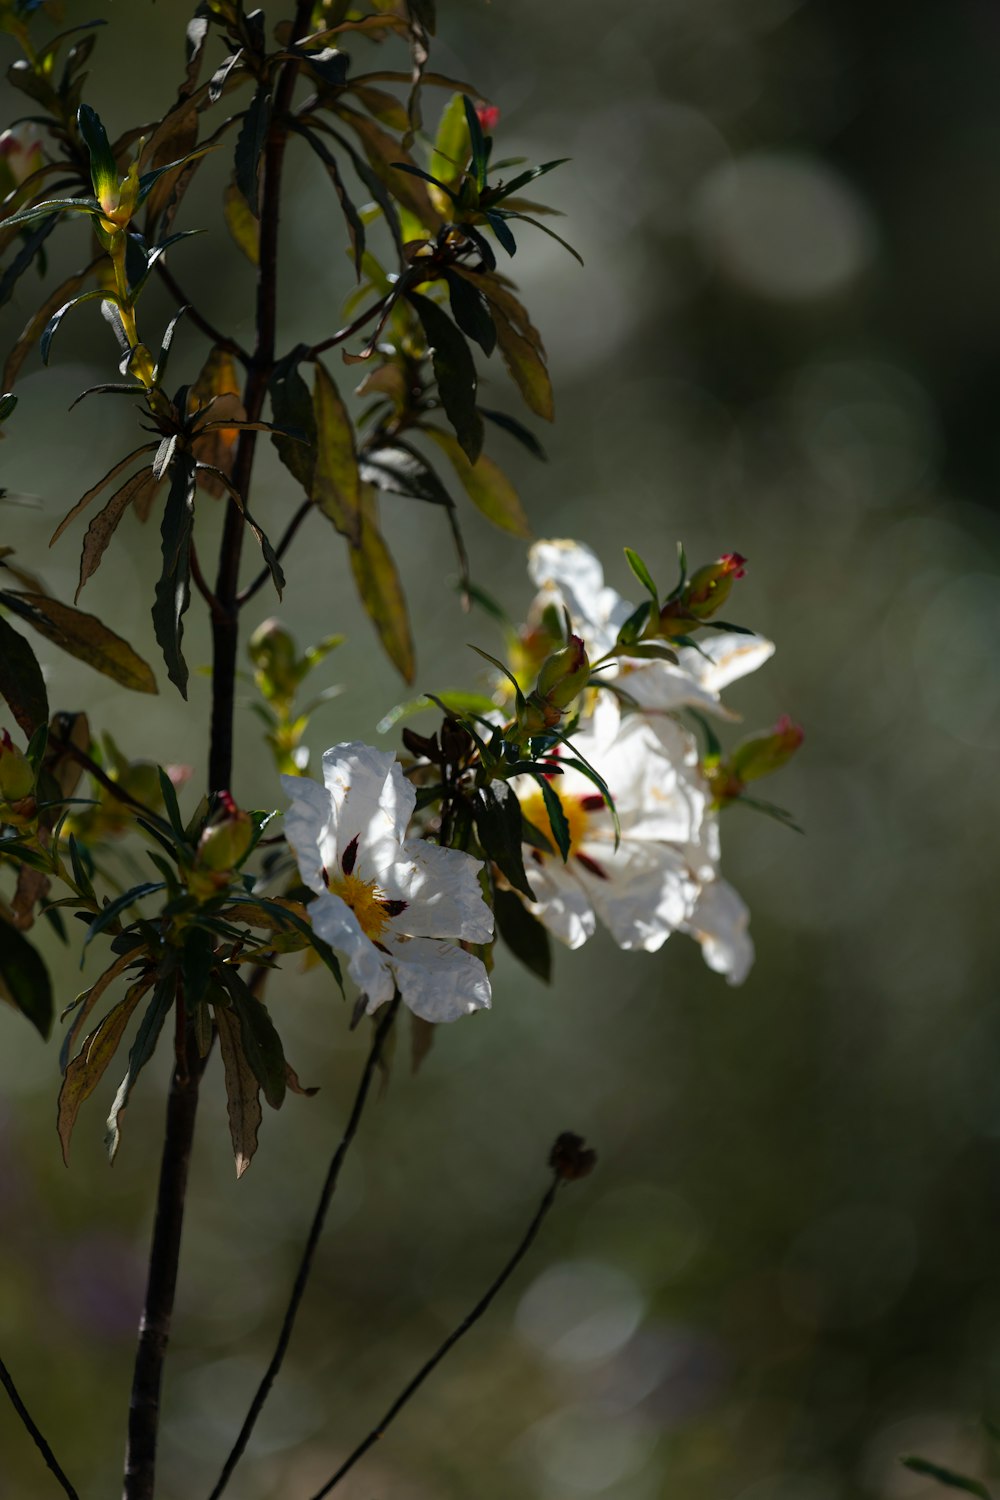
<point>372,802</point>
<point>731,655</point>
<point>573,573</point>
<point>438,981</point>
<point>442,891</point>
<point>651,771</point>
<point>562,905</point>
<point>660,686</point>
<point>310,829</point>
<point>647,895</point>
<point>334,921</point>
<point>719,922</point>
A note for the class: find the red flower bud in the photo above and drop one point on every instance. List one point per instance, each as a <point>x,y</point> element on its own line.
<point>488,116</point>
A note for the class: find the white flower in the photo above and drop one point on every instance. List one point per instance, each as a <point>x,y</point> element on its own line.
<point>394,907</point>
<point>568,573</point>
<point>719,922</point>
<point>643,890</point>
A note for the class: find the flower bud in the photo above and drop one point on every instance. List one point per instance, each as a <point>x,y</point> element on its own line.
<point>17,783</point>
<point>273,652</point>
<point>488,116</point>
<point>564,675</point>
<point>705,592</point>
<point>763,753</point>
<point>224,843</point>
<point>20,153</point>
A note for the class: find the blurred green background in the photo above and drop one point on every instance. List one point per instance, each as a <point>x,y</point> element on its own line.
<point>786,341</point>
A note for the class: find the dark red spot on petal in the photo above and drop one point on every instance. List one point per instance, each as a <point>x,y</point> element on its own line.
<point>349,858</point>
<point>592,802</point>
<point>393,908</point>
<point>592,866</point>
<point>326,877</point>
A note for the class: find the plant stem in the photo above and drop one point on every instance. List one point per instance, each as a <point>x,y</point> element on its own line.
<point>279,551</point>
<point>154,1327</point>
<point>51,1462</point>
<point>450,1342</point>
<point>305,1264</point>
<point>225,624</point>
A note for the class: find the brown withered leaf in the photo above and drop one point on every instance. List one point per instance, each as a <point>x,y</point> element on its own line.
<point>381,592</point>
<point>89,1000</point>
<point>96,489</point>
<point>219,383</point>
<point>87,1069</point>
<point>32,887</point>
<point>102,528</point>
<point>173,138</point>
<point>242,1089</point>
<point>83,636</point>
<point>292,1080</point>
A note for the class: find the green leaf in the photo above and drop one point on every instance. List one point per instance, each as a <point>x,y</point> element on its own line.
<point>83,636</point>
<point>171,805</point>
<point>113,909</point>
<point>520,343</point>
<point>486,485</point>
<point>524,935</point>
<point>50,206</point>
<point>497,223</point>
<point>471,312</point>
<point>455,373</point>
<point>249,147</point>
<point>22,260</point>
<point>197,957</point>
<point>535,224</point>
<point>242,1088</point>
<point>292,409</point>
<point>524,178</point>
<point>477,141</point>
<point>519,698</point>
<point>558,821</point>
<point>402,471</point>
<point>103,170</point>
<point>86,1070</point>
<point>21,682</point>
<point>516,430</point>
<point>173,590</point>
<point>286,918</point>
<point>643,574</point>
<point>261,1043</point>
<point>8,401</point>
<point>142,1049</point>
<point>52,326</point>
<point>455,703</point>
<point>336,481</point>
<point>381,592</point>
<point>451,144</point>
<point>631,629</point>
<point>24,979</point>
<point>947,1477</point>
<point>355,225</point>
<point>499,828</point>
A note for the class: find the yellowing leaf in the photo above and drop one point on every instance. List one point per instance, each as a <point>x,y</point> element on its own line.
<point>336,483</point>
<point>520,343</point>
<point>218,383</point>
<point>486,485</point>
<point>382,595</point>
<point>87,1068</point>
<point>82,636</point>
<point>242,225</point>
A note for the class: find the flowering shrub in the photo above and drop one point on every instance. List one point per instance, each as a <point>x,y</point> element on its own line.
<point>587,787</point>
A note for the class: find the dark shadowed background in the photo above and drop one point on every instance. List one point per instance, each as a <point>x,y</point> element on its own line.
<point>785,341</point>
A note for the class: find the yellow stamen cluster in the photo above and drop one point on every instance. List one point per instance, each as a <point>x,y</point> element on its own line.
<point>365,899</point>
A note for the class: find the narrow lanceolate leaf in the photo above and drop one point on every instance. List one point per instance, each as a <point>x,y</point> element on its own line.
<point>455,373</point>
<point>96,489</point>
<point>558,821</point>
<point>102,527</point>
<point>643,574</point>
<point>520,343</point>
<point>24,979</point>
<point>241,223</point>
<point>249,148</point>
<point>292,409</point>
<point>140,1052</point>
<point>498,824</point>
<point>261,1043</point>
<point>51,206</point>
<point>336,482</point>
<point>32,330</point>
<point>471,312</point>
<point>52,326</point>
<point>947,1477</point>
<point>82,636</point>
<point>87,1069</point>
<point>486,485</point>
<point>524,935</point>
<point>22,685</point>
<point>89,998</point>
<point>23,259</point>
<point>381,592</point>
<point>242,1089</point>
<point>353,220</point>
<point>173,591</point>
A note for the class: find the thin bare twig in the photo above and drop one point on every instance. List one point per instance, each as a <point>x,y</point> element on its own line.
<point>349,331</point>
<point>51,1463</point>
<point>280,550</point>
<point>452,1339</point>
<point>221,340</point>
<point>305,1265</point>
<point>201,582</point>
